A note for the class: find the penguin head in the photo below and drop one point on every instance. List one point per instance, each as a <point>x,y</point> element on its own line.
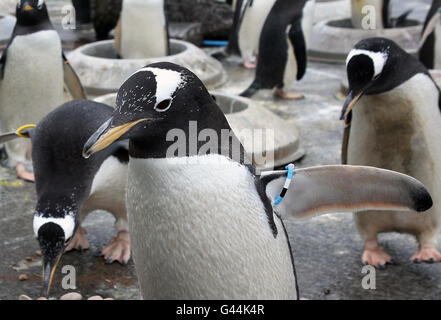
<point>53,235</point>
<point>374,66</point>
<point>154,100</point>
<point>31,12</point>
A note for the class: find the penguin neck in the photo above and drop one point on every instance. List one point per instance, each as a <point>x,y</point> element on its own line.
<point>24,29</point>
<point>210,133</point>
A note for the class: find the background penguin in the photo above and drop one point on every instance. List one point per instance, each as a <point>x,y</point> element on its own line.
<point>69,186</point>
<point>253,15</point>
<point>394,124</point>
<point>211,231</point>
<point>142,31</point>
<point>282,48</point>
<point>430,49</point>
<point>32,69</point>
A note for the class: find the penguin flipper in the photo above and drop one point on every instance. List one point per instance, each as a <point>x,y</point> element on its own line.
<point>72,81</point>
<point>233,38</point>
<point>6,137</point>
<point>3,62</point>
<point>9,136</point>
<point>430,26</point>
<point>299,44</point>
<point>319,190</point>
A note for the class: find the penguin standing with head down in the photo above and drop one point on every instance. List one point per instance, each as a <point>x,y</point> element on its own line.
<point>394,122</point>
<point>430,46</point>
<point>69,186</point>
<point>282,48</point>
<point>201,220</point>
<point>33,70</point>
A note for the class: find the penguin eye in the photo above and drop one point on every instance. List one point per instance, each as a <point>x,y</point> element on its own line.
<point>163,105</point>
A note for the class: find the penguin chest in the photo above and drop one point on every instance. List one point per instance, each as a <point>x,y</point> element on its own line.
<point>33,80</point>
<point>400,130</point>
<point>199,231</point>
<point>143,29</point>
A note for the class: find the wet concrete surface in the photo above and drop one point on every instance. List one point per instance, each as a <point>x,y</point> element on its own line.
<point>327,249</point>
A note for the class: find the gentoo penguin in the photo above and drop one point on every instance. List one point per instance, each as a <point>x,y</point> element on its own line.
<point>69,186</point>
<point>393,116</point>
<point>32,69</point>
<point>430,48</point>
<point>201,221</point>
<point>282,48</point>
<point>253,14</point>
<point>142,31</point>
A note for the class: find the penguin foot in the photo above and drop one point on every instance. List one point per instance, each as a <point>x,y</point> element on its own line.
<point>376,257</point>
<point>23,174</point>
<point>118,248</point>
<point>427,254</point>
<point>79,241</point>
<point>279,93</point>
<point>250,64</point>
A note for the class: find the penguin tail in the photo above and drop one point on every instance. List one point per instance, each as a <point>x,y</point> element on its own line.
<point>220,55</point>
<point>252,89</point>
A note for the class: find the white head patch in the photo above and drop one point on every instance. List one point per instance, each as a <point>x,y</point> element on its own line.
<point>67,224</point>
<point>40,2</point>
<point>378,59</point>
<point>167,82</point>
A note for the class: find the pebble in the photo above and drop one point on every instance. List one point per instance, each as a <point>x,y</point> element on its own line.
<point>38,253</point>
<point>71,296</point>
<point>23,277</point>
<point>67,296</point>
<point>29,259</point>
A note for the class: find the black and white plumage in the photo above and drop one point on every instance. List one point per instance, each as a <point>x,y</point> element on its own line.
<point>33,71</point>
<point>201,220</point>
<point>282,46</point>
<point>393,115</point>
<point>253,14</point>
<point>430,47</point>
<point>69,186</point>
